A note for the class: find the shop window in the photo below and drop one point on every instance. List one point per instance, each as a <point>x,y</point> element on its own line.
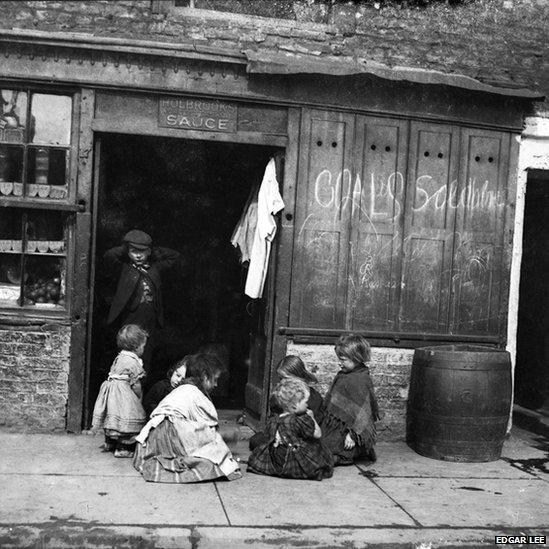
<point>33,258</point>
<point>35,134</point>
<point>36,213</point>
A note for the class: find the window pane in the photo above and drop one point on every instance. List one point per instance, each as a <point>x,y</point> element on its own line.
<point>45,233</point>
<point>10,279</point>
<point>44,282</point>
<point>46,173</point>
<point>14,115</point>
<point>51,119</point>
<point>11,170</point>
<point>10,257</point>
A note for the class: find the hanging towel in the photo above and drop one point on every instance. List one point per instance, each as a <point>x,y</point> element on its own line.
<point>243,234</point>
<point>269,203</point>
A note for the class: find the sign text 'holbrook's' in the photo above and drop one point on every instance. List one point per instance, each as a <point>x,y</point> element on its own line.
<point>197,114</point>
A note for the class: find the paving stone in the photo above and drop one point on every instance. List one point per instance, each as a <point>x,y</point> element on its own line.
<point>28,499</point>
<point>348,498</point>
<point>475,503</point>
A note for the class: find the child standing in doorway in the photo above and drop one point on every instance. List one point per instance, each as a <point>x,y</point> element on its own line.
<point>118,409</point>
<point>293,448</point>
<point>351,409</point>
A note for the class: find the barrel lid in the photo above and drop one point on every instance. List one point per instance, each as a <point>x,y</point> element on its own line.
<point>462,348</point>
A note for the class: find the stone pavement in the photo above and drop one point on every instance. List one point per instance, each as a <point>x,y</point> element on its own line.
<point>58,490</point>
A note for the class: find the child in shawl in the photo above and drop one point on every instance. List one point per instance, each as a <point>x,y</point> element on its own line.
<point>292,367</point>
<point>165,386</point>
<point>294,448</point>
<point>348,426</point>
<point>181,442</point>
<point>118,408</point>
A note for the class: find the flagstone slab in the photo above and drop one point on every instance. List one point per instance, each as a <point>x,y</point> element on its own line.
<point>346,499</point>
<point>28,499</point>
<point>474,503</point>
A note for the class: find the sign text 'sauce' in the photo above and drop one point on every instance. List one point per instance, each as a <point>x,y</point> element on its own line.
<point>197,114</point>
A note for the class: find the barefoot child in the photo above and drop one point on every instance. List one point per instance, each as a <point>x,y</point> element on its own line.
<point>118,408</point>
<point>351,409</point>
<point>293,448</point>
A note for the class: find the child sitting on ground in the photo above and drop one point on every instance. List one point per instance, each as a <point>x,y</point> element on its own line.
<point>294,448</point>
<point>164,387</point>
<point>118,408</point>
<point>348,425</point>
<point>292,367</point>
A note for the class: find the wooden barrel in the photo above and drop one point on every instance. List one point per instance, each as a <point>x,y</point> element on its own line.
<point>459,402</point>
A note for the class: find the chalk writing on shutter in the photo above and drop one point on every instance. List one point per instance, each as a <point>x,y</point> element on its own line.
<point>429,227</point>
<point>375,261</point>
<point>321,227</point>
<point>479,232</point>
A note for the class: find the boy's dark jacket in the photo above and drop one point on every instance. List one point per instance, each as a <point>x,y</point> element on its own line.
<point>116,259</point>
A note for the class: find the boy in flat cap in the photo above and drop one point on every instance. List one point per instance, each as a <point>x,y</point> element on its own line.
<point>138,296</point>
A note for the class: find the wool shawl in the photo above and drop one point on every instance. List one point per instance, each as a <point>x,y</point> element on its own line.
<point>351,402</point>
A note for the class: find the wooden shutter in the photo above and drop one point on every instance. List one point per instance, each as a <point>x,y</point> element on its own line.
<point>323,206</point>
<point>429,227</point>
<point>378,207</point>
<point>478,255</point>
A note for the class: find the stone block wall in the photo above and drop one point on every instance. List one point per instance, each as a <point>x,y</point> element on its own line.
<point>390,370</point>
<point>34,373</point>
<point>500,42</point>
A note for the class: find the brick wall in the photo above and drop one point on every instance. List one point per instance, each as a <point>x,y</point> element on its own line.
<point>496,41</point>
<point>390,370</point>
<point>34,368</point>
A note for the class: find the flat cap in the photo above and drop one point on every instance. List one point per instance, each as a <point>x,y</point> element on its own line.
<point>138,238</point>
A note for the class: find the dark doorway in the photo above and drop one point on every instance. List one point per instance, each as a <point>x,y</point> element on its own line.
<point>532,368</point>
<point>188,195</point>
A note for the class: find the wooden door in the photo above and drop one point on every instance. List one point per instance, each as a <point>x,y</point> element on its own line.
<point>321,241</point>
<point>478,257</point>
<point>261,313</point>
<point>429,228</point>
<point>376,228</point>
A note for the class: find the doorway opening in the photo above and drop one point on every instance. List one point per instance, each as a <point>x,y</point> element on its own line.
<point>532,363</point>
<point>188,195</point>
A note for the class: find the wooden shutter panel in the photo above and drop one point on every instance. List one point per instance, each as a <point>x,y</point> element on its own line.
<point>429,227</point>
<point>478,256</point>
<point>378,207</point>
<point>323,205</point>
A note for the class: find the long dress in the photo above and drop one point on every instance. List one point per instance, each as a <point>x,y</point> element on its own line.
<point>118,409</point>
<point>181,442</point>
<point>350,407</point>
<point>291,450</point>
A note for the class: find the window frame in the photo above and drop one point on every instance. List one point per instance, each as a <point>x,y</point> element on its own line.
<point>67,206</point>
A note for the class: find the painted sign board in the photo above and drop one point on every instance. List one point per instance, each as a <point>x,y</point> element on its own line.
<point>197,114</point>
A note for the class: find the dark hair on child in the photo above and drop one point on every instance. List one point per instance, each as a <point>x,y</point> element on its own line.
<point>201,367</point>
<point>353,346</point>
<point>294,366</point>
<point>130,337</point>
<point>289,392</point>
<point>176,366</point>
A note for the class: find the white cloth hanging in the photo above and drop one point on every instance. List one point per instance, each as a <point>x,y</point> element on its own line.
<point>244,232</point>
<point>269,203</point>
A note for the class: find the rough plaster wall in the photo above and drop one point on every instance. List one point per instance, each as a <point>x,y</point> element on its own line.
<point>34,371</point>
<point>496,41</point>
<point>390,370</point>
<point>533,155</point>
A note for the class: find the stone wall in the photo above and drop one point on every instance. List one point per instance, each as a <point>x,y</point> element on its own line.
<point>34,371</point>
<point>390,370</point>
<point>500,42</point>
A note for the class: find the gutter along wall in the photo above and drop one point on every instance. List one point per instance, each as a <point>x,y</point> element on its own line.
<point>75,62</point>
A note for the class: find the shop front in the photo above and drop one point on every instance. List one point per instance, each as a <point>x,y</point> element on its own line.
<point>398,214</point>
